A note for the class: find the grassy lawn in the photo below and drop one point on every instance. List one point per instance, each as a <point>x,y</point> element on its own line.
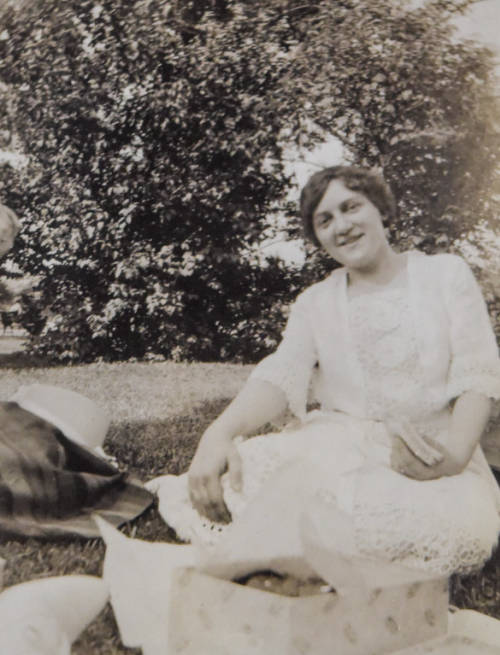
<point>147,450</point>
<point>159,412</point>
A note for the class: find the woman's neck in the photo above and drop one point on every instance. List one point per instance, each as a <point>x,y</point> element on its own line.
<point>381,272</point>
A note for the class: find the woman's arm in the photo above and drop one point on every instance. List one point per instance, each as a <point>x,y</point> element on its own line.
<point>473,376</point>
<point>256,404</point>
<point>279,380</point>
<point>470,415</point>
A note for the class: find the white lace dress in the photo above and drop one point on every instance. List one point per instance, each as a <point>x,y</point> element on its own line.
<point>338,458</point>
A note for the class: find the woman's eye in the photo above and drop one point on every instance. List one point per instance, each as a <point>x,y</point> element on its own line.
<point>353,205</point>
<point>323,219</point>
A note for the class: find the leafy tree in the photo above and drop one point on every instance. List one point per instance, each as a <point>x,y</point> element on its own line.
<point>151,128</point>
<point>146,184</point>
<point>404,95</point>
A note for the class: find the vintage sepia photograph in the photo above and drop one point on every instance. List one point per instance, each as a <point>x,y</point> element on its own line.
<point>249,327</point>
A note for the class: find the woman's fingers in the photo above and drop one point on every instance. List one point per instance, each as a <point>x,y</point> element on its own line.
<point>204,477</point>
<point>417,470</point>
<point>216,508</point>
<point>198,492</point>
<point>195,494</point>
<point>235,467</point>
<point>207,498</point>
<point>421,446</point>
<point>404,462</point>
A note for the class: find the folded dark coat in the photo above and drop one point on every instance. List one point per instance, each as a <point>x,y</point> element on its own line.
<point>50,486</point>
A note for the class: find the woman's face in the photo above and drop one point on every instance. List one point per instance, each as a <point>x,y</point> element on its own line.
<point>6,234</point>
<point>349,227</point>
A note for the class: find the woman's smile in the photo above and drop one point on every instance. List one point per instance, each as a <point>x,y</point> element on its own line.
<point>348,240</point>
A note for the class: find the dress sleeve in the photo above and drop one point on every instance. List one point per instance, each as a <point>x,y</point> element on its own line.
<point>291,365</point>
<point>475,364</point>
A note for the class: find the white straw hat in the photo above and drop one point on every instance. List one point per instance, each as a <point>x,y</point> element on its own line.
<point>78,417</point>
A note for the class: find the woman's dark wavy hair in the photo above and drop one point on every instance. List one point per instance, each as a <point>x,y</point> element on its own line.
<point>370,183</point>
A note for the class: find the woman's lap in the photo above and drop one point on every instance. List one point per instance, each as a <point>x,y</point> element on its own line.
<point>451,523</point>
<point>333,446</point>
<point>446,525</point>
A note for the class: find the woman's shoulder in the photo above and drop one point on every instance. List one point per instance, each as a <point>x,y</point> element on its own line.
<point>448,273</point>
<point>317,289</point>
<point>438,262</point>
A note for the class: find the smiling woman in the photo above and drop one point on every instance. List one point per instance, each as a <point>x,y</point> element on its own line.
<point>398,351</point>
<point>345,208</point>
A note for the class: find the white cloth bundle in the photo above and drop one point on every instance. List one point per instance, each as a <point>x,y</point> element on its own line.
<point>139,574</point>
<point>44,617</point>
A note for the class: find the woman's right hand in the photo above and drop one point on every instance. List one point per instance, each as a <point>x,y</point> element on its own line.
<point>214,456</point>
<point>405,462</point>
<point>256,404</point>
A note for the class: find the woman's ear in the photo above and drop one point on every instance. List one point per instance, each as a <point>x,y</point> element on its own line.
<point>386,222</point>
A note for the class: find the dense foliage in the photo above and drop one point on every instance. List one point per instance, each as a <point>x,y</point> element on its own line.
<point>155,134</point>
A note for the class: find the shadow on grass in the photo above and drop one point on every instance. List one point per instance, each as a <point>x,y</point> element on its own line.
<point>19,359</point>
<point>147,450</point>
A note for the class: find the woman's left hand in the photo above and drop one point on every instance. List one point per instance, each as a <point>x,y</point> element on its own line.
<point>403,461</point>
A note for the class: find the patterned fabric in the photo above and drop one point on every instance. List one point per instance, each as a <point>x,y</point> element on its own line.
<point>49,485</point>
<point>387,350</point>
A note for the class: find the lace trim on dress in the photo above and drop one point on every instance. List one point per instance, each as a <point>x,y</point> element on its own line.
<point>483,378</point>
<point>455,537</point>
